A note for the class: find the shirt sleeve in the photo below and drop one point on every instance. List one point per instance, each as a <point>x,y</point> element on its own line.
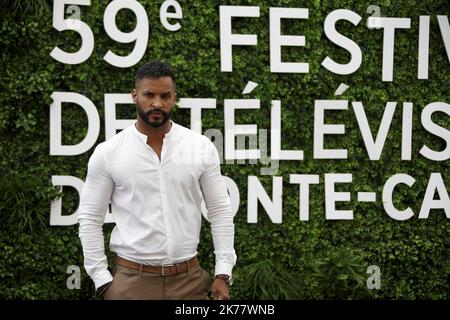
<point>94,201</point>
<point>220,216</point>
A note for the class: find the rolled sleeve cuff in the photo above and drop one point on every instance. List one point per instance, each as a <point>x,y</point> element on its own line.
<point>101,278</point>
<point>223,268</point>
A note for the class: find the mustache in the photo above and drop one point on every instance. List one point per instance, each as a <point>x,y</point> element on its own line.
<point>156,110</point>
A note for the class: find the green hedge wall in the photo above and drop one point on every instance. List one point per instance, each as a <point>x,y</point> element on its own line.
<point>315,259</point>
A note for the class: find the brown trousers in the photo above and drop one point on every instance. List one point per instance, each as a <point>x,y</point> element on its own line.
<point>130,284</point>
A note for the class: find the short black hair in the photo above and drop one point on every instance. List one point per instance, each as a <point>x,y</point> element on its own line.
<point>155,69</point>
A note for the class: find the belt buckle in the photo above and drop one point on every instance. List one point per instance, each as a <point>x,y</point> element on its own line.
<point>164,266</point>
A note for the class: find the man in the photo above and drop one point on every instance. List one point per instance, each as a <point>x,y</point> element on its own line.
<point>156,173</point>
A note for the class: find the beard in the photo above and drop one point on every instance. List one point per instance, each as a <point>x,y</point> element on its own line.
<point>145,116</point>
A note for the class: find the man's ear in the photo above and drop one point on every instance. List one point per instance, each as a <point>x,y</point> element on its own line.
<point>134,95</point>
<point>174,100</point>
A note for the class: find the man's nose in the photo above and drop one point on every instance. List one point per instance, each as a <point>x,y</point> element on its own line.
<point>157,102</point>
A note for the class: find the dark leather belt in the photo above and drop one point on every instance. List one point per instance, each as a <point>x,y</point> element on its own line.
<point>166,270</point>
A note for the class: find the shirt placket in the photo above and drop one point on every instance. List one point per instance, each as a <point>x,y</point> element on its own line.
<point>164,198</point>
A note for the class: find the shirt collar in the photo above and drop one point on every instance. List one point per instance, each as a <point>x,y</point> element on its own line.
<point>144,137</point>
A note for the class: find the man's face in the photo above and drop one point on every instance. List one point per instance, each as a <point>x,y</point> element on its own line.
<point>154,98</point>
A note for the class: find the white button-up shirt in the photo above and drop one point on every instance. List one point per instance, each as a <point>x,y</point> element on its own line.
<point>156,204</point>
